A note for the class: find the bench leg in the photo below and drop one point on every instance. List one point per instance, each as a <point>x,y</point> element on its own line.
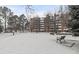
<point>57,40</point>
<point>60,42</point>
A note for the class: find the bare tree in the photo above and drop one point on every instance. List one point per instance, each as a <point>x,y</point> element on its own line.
<point>29,11</point>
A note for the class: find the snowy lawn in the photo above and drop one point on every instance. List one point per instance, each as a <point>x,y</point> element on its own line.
<point>35,43</point>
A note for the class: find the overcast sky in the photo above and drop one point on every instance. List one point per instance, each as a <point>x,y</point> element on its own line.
<point>39,9</point>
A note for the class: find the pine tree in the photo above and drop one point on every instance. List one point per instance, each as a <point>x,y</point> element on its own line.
<point>74,12</point>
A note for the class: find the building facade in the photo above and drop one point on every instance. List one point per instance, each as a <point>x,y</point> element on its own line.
<point>62,22</point>
<point>56,23</point>
<point>41,25</point>
<point>35,24</point>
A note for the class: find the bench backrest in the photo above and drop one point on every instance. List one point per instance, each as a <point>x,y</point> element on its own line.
<point>62,37</point>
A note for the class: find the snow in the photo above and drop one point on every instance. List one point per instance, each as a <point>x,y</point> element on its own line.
<point>35,43</point>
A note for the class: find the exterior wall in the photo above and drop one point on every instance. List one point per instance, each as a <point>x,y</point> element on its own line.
<point>49,25</point>
<point>35,24</point>
<point>54,24</point>
<point>61,23</point>
<point>41,25</point>
<point>46,24</point>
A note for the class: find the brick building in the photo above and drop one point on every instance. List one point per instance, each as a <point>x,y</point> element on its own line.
<point>56,23</point>
<point>62,22</point>
<point>41,24</point>
<point>35,24</point>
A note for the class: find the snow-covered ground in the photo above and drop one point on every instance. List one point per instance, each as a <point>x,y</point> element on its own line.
<point>35,43</point>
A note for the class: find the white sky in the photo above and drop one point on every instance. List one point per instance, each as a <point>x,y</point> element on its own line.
<point>39,10</point>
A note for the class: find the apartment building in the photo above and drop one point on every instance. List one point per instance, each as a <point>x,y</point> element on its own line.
<point>56,23</point>
<point>41,24</point>
<point>62,23</point>
<point>35,24</point>
<point>49,24</point>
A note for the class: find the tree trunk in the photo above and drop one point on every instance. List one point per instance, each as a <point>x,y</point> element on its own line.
<point>5,23</point>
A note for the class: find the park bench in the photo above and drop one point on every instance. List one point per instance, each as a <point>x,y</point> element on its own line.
<point>59,39</point>
<point>62,40</point>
